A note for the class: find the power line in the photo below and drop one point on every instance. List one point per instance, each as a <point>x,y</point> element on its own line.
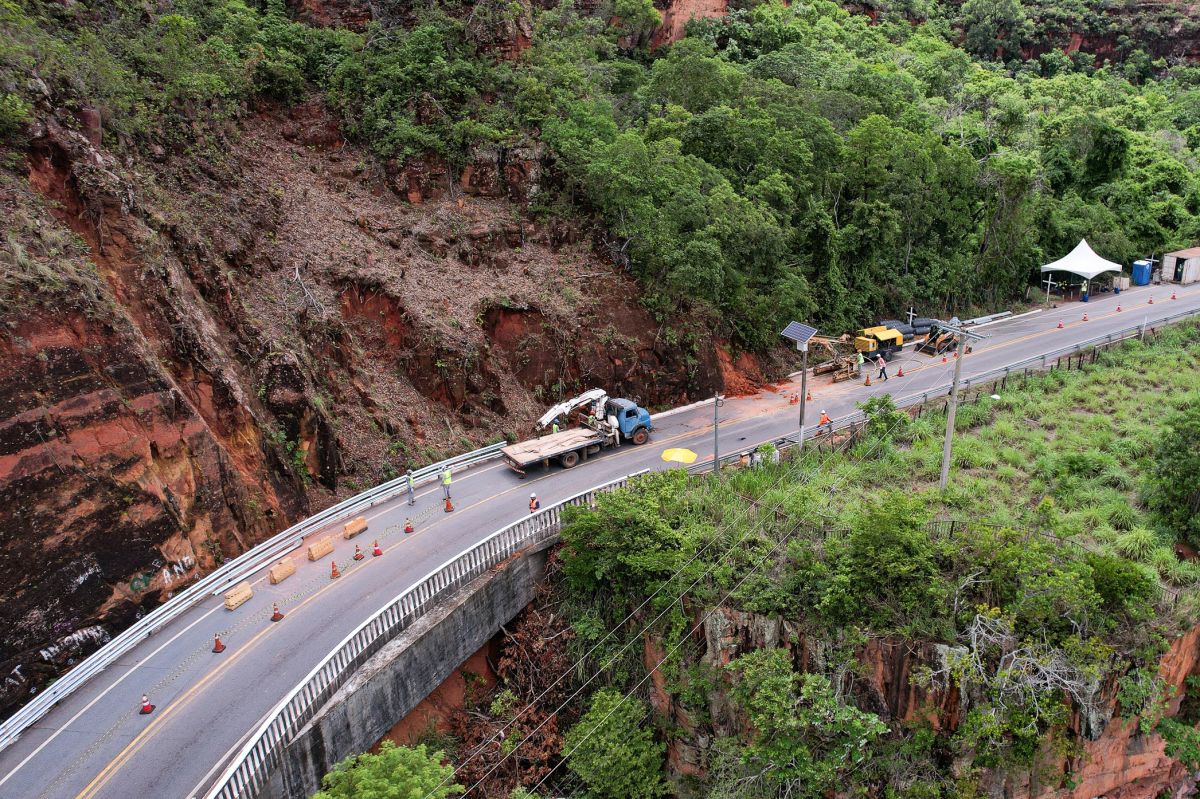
<point>597,673</point>
<point>661,660</point>
<point>675,647</point>
<point>607,635</point>
<point>499,734</point>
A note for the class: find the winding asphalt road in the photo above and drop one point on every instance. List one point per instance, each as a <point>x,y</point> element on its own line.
<point>95,744</point>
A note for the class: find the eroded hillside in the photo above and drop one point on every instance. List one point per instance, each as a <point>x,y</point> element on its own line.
<point>201,349</point>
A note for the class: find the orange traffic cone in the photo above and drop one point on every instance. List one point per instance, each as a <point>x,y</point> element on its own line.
<point>147,708</point>
<point>1060,324</point>
<point>1118,308</point>
<point>408,528</point>
<point>449,505</point>
<point>868,381</point>
<point>275,614</point>
<point>358,553</point>
<point>956,353</point>
<point>218,647</point>
<point>944,359</point>
<point>792,400</point>
<point>808,397</point>
<point>1151,301</point>
<point>1085,316</point>
<point>1173,295</point>
<point>376,552</point>
<point>333,571</point>
<point>900,372</point>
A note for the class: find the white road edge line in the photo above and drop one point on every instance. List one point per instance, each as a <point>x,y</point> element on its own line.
<point>102,694</point>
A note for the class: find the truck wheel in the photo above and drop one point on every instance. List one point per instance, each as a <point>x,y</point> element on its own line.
<point>569,460</point>
<point>640,436</point>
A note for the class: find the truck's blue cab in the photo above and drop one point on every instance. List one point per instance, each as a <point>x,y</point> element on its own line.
<point>631,418</point>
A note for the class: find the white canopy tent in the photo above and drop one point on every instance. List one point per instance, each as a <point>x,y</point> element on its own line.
<point>1082,261</point>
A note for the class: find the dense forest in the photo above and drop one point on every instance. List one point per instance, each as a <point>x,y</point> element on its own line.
<point>781,162</point>
<point>802,160</point>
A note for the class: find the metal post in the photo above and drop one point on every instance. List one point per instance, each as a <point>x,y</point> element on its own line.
<point>953,406</point>
<point>1142,332</point>
<point>803,393</point>
<point>718,401</point>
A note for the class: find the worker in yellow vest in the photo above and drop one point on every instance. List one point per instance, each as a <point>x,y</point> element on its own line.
<point>446,482</point>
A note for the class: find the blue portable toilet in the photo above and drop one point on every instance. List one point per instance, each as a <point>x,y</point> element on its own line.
<point>1141,273</point>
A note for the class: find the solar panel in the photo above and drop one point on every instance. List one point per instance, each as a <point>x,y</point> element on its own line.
<point>798,333</point>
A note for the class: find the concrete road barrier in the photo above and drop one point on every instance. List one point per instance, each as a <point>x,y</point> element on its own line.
<point>281,571</point>
<point>354,527</point>
<point>320,549</point>
<point>237,595</point>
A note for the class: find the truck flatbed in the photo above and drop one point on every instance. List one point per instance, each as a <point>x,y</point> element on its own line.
<point>528,453</point>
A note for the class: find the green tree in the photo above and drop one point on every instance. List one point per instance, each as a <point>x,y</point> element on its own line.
<point>1174,491</point>
<point>613,750</point>
<point>638,17</point>
<point>396,772</point>
<point>804,737</point>
<point>994,27</point>
<point>14,114</point>
<point>887,573</point>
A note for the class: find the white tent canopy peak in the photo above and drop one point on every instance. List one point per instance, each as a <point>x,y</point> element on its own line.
<point>1082,261</point>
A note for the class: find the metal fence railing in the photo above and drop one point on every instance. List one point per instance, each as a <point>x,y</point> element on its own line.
<point>219,580</point>
<point>250,769</point>
<point>856,419</point>
<point>258,557</point>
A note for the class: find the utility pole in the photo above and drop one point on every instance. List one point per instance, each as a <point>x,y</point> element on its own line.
<point>946,446</point>
<point>718,401</point>
<point>962,336</point>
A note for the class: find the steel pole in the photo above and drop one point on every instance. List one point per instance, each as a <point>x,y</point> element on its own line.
<point>716,440</point>
<point>962,340</point>
<point>803,393</point>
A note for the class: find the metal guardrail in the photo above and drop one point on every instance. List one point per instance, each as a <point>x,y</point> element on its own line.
<point>1039,362</point>
<point>252,766</point>
<point>249,562</point>
<point>229,573</point>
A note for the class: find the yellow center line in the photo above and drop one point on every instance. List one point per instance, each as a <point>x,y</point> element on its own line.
<point>138,742</point>
<point>134,746</point>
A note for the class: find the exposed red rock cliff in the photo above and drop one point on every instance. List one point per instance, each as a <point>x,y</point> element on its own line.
<point>253,336</point>
<point>676,14</point>
<point>1117,763</point>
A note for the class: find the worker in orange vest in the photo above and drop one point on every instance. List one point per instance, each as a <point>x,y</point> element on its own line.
<point>825,422</point>
<point>534,505</point>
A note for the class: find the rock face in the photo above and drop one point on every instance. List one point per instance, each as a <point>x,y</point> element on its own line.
<point>1118,762</point>
<point>130,460</point>
<point>677,13</point>
<point>195,353</point>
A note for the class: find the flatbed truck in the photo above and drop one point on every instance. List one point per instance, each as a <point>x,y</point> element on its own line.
<point>621,420</point>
